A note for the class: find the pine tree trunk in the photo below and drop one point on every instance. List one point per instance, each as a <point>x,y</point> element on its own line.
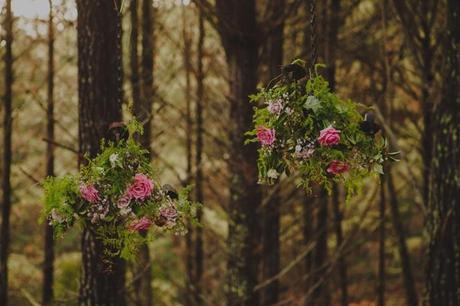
<point>199,250</point>
<point>321,294</point>
<point>190,283</point>
<point>237,27</point>
<point>143,112</point>
<point>382,219</point>
<point>100,78</point>
<point>271,211</point>
<point>408,276</point>
<point>6,173</point>
<point>48,264</point>
<point>443,271</point>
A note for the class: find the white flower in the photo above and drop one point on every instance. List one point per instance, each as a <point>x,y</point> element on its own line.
<point>298,148</point>
<point>275,107</point>
<point>272,173</point>
<point>288,110</point>
<point>114,159</point>
<point>56,217</point>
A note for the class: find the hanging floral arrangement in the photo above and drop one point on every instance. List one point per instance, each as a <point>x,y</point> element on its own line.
<point>118,197</point>
<point>306,129</point>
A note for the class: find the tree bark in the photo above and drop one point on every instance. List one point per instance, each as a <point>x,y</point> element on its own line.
<point>6,173</point>
<point>48,264</point>
<point>408,276</point>
<point>321,294</point>
<point>238,31</point>
<point>199,249</point>
<point>341,261</point>
<point>190,290</point>
<point>443,271</point>
<point>382,275</point>
<point>100,78</point>
<point>271,211</point>
<point>143,112</point>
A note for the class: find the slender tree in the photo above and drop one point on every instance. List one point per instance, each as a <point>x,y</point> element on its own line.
<point>190,292</point>
<point>237,27</point>
<point>6,173</point>
<point>199,249</point>
<point>143,272</point>
<point>271,210</point>
<point>48,264</point>
<point>443,277</point>
<point>100,78</point>
<point>382,278</point>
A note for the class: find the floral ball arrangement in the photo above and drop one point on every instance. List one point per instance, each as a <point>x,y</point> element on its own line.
<point>117,196</point>
<point>306,129</point>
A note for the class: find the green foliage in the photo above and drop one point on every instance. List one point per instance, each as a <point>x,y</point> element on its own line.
<point>112,210</point>
<point>297,113</point>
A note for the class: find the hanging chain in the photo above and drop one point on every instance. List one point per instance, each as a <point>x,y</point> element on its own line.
<point>314,51</point>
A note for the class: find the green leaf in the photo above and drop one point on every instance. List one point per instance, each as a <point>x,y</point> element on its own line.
<point>312,103</point>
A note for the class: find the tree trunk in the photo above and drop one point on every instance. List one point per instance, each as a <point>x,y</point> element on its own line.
<point>143,112</point>
<point>199,250</point>
<point>48,264</point>
<point>237,27</point>
<point>321,294</point>
<point>191,286</point>
<point>443,273</point>
<point>408,276</point>
<point>6,173</point>
<point>341,261</point>
<point>382,275</point>
<point>271,211</point>
<point>100,78</point>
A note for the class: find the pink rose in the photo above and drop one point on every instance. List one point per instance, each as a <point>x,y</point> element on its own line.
<point>141,224</point>
<point>89,193</point>
<point>329,136</point>
<point>141,188</point>
<point>275,107</point>
<point>168,216</point>
<point>337,167</point>
<point>266,136</point>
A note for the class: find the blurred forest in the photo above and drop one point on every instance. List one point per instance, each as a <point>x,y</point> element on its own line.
<point>186,69</point>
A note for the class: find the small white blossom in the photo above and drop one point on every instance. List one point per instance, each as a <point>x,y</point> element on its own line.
<point>288,110</point>
<point>272,173</point>
<point>56,217</point>
<point>114,160</point>
<point>298,148</point>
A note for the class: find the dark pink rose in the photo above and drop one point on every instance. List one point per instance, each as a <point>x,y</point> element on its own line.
<point>141,224</point>
<point>337,167</point>
<point>89,193</point>
<point>266,136</point>
<point>329,136</point>
<point>141,188</point>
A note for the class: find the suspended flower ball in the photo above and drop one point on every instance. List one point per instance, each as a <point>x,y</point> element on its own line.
<point>118,196</point>
<point>306,129</point>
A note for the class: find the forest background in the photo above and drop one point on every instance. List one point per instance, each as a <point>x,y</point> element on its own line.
<point>195,63</point>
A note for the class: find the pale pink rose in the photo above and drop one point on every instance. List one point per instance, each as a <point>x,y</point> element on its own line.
<point>275,107</point>
<point>124,201</point>
<point>329,136</point>
<point>266,136</point>
<point>141,224</point>
<point>168,216</point>
<point>89,193</point>
<point>337,167</point>
<point>141,188</point>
